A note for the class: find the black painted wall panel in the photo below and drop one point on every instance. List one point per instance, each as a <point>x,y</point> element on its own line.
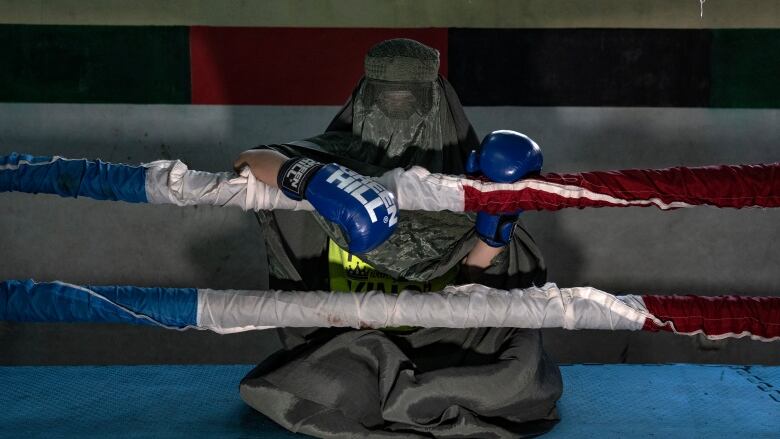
<point>581,67</point>
<point>94,64</point>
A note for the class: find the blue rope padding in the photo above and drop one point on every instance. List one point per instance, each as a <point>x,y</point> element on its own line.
<point>73,178</point>
<point>29,301</point>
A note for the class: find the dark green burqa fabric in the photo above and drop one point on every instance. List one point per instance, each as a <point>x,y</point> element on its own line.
<point>430,382</point>
<point>444,383</point>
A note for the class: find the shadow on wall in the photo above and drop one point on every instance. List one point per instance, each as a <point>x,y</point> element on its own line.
<point>592,346</point>
<point>93,343</point>
<point>563,257</point>
<point>229,257</point>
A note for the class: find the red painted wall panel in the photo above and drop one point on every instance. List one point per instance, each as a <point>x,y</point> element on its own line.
<point>287,66</point>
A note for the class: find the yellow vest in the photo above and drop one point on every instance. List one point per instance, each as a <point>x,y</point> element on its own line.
<point>350,274</point>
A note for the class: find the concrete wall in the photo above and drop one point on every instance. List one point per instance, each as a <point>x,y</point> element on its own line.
<point>696,251</point>
<point>400,13</point>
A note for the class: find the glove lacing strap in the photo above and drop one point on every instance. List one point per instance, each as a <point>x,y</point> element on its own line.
<point>295,174</point>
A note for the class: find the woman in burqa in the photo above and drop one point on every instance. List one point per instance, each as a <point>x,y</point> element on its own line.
<point>401,382</point>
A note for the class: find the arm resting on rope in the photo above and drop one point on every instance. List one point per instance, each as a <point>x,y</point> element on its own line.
<point>172,182</point>
<point>263,163</point>
<point>363,208</point>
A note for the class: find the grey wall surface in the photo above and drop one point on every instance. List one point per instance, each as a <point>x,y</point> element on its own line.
<point>694,251</point>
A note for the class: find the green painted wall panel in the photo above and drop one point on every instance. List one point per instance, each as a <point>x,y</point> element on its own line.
<point>745,68</point>
<point>94,64</point>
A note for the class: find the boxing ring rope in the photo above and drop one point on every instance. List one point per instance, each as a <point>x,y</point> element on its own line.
<point>464,306</point>
<point>171,182</point>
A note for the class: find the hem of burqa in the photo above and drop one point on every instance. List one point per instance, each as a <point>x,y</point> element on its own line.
<point>426,383</point>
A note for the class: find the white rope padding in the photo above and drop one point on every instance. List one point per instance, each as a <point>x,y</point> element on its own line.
<point>464,306</point>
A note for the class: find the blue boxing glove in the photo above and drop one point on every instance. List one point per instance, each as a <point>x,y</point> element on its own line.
<point>504,157</point>
<point>365,210</point>
<point>496,230</point>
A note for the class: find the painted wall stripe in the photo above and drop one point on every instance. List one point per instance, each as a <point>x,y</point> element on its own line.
<point>593,67</point>
<point>91,64</point>
<point>521,67</point>
<point>306,66</point>
<point>746,68</point>
<point>659,14</point>
<point>319,66</point>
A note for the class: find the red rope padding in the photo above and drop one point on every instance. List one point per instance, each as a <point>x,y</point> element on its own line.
<point>715,316</point>
<point>734,186</point>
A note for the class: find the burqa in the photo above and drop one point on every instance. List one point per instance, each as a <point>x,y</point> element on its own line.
<point>426,382</point>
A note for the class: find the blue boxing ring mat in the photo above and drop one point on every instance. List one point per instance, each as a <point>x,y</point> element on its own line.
<point>599,401</point>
